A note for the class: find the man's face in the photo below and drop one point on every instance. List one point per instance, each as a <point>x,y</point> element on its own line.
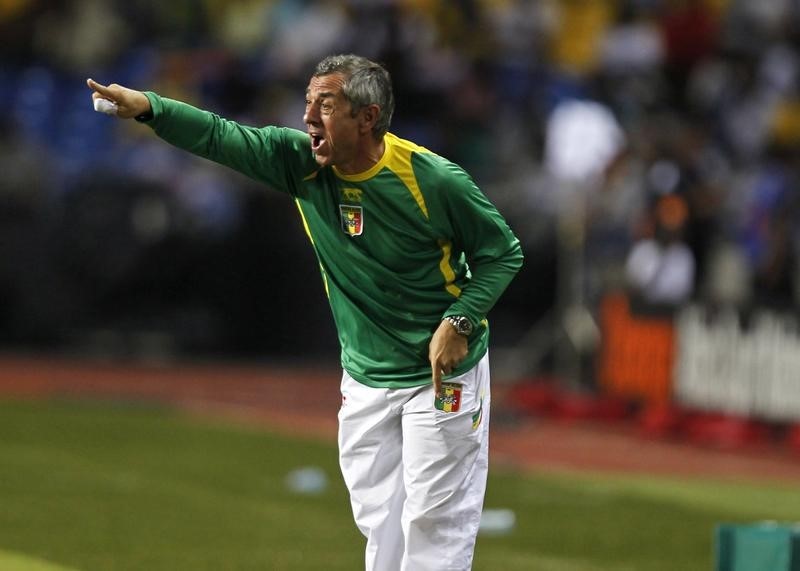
<point>333,130</point>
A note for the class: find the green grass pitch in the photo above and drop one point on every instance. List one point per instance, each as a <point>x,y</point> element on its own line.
<point>88,486</point>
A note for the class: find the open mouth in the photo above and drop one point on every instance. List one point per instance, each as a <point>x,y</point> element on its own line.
<point>316,141</point>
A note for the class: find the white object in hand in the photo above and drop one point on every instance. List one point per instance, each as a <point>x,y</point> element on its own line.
<point>105,106</point>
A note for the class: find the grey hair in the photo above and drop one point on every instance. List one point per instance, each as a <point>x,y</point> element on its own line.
<point>366,83</point>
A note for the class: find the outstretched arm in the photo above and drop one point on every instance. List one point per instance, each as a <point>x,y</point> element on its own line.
<point>277,156</point>
<point>130,103</point>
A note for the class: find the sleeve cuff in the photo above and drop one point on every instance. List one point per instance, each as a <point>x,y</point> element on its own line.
<point>154,104</point>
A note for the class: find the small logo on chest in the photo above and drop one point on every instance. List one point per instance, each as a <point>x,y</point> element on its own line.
<point>352,219</point>
<point>351,194</point>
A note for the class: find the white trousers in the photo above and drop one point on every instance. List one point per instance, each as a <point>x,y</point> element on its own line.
<point>416,475</point>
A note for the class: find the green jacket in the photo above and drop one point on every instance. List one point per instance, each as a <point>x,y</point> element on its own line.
<point>400,246</point>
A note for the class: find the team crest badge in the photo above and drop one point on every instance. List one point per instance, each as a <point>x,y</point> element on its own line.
<point>352,219</point>
<point>450,399</point>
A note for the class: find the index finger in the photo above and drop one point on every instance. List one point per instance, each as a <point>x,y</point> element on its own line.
<point>101,89</point>
<point>437,378</point>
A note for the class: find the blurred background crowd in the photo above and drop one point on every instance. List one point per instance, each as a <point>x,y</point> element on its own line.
<point>643,145</point>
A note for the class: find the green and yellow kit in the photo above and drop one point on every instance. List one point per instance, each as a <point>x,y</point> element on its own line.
<point>400,246</point>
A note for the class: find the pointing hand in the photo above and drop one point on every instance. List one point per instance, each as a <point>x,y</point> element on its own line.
<point>130,103</point>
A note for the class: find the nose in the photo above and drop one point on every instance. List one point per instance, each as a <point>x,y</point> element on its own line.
<point>311,115</point>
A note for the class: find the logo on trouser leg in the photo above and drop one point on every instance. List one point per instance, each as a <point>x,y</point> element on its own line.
<point>450,399</point>
<point>478,416</point>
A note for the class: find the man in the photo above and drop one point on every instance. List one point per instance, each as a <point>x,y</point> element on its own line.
<point>412,257</point>
<point>660,268</point>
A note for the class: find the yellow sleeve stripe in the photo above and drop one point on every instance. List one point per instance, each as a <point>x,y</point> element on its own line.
<point>401,166</point>
<point>303,218</point>
<point>447,271</point>
<point>311,239</point>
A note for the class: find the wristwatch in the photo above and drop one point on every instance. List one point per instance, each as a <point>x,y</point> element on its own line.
<point>463,325</point>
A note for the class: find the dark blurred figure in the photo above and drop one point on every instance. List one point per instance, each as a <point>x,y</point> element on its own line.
<point>660,268</point>
<point>31,301</point>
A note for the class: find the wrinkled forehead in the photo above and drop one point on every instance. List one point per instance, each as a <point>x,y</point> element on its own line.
<point>326,85</point>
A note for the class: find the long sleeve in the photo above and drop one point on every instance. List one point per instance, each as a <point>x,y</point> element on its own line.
<point>277,156</point>
<point>480,238</point>
<point>492,251</point>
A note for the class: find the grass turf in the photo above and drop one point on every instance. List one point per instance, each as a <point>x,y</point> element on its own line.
<point>115,486</point>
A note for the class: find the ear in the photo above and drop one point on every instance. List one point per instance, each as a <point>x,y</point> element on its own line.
<point>368,117</point>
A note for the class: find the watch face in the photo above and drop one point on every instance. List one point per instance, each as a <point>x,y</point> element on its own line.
<point>462,325</point>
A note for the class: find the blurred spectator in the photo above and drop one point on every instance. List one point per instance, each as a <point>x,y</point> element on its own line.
<point>690,30</point>
<point>31,298</point>
<point>660,268</point>
<point>82,34</point>
<point>633,44</point>
<point>580,32</point>
<point>769,215</point>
